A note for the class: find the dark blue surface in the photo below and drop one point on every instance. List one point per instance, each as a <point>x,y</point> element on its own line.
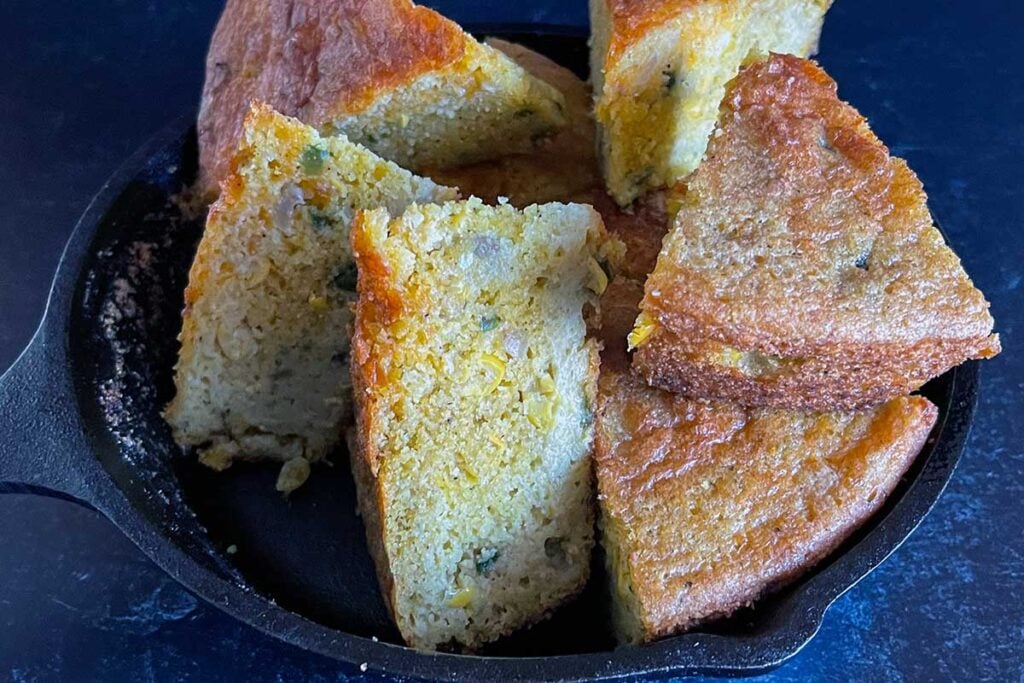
<point>83,84</point>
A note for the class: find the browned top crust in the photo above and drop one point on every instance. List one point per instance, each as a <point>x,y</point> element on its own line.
<point>714,503</point>
<point>631,19</point>
<point>799,234</point>
<point>313,60</point>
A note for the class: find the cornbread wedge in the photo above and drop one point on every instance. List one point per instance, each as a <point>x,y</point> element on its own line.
<point>398,78</point>
<point>262,371</point>
<point>659,69</point>
<point>803,269</point>
<point>474,388</point>
<point>707,506</point>
<point>562,168</point>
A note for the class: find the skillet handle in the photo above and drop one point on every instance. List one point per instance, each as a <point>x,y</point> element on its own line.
<point>40,439</point>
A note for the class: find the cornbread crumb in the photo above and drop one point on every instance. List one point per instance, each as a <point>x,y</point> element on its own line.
<point>659,71</point>
<point>395,77</point>
<point>263,367</point>
<point>469,326</point>
<point>293,474</point>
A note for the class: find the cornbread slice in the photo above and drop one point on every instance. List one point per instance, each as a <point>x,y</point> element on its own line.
<point>803,269</point>
<point>262,371</point>
<point>707,506</point>
<point>474,387</point>
<point>398,78</point>
<point>561,168</point>
<point>660,67</point>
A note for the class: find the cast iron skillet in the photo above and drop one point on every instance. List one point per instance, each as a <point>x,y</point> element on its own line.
<point>80,418</point>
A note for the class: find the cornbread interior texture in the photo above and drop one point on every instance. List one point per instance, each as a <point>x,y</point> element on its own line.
<point>563,167</point>
<point>475,391</point>
<point>398,78</point>
<point>803,269</point>
<point>660,68</point>
<point>263,367</point>
<point>705,506</point>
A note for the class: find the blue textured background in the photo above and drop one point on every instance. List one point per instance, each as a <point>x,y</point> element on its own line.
<point>83,84</point>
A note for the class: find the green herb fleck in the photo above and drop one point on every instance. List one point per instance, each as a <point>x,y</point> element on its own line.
<point>587,417</point>
<point>489,322</point>
<point>345,277</point>
<point>313,158</point>
<point>321,221</point>
<point>371,139</point>
<point>643,175</point>
<point>670,78</point>
<point>486,562</point>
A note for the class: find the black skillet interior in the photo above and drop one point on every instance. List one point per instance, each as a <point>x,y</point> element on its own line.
<point>307,553</point>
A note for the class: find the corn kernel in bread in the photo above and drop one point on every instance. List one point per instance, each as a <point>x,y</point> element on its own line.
<point>562,168</point>
<point>705,506</point>
<point>262,371</point>
<point>803,269</point>
<point>659,70</point>
<point>398,78</point>
<point>474,388</point>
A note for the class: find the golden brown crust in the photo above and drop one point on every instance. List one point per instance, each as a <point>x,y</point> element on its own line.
<point>719,503</point>
<point>801,241</point>
<point>631,19</point>
<point>313,61</point>
<point>377,307</point>
<point>849,376</point>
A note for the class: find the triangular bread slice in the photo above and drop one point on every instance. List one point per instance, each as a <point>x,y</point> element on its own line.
<point>398,78</point>
<point>705,506</point>
<point>803,269</point>
<point>474,385</point>
<point>659,69</point>
<point>561,168</point>
<point>263,367</point>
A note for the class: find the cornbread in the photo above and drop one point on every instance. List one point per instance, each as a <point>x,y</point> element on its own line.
<point>561,168</point>
<point>706,506</point>
<point>640,227</point>
<point>398,78</point>
<point>474,387</point>
<point>803,269</point>
<point>262,371</point>
<point>659,69</point>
